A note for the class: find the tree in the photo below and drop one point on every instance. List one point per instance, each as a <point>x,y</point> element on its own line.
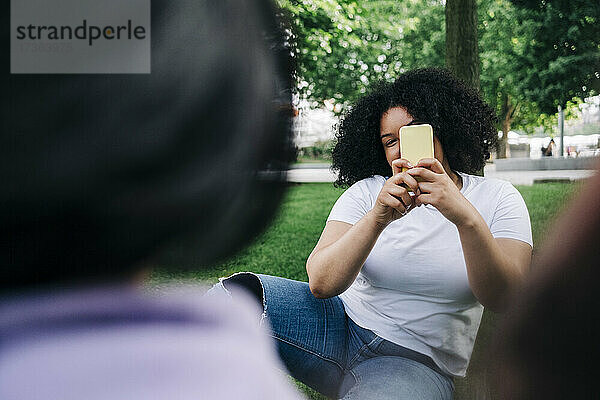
<point>343,46</point>
<point>503,36</point>
<point>523,79</point>
<point>462,53</point>
<point>565,51</point>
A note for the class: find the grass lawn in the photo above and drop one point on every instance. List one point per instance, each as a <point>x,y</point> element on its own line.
<point>283,249</point>
<point>309,160</point>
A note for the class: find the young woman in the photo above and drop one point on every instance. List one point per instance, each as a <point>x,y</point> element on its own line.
<point>398,281</point>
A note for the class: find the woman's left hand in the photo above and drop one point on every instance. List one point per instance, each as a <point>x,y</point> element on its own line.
<point>438,189</point>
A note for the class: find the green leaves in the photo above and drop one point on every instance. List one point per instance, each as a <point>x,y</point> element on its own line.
<point>537,54</point>
<point>564,50</point>
<point>344,46</point>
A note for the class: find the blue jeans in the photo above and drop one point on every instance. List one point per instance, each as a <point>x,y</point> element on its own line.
<point>323,348</point>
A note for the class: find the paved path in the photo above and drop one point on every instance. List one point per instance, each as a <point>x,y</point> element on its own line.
<point>304,173</point>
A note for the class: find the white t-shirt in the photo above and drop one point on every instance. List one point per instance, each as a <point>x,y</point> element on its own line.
<point>413,289</point>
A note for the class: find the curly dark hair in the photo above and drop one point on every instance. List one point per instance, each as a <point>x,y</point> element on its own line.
<point>463,123</point>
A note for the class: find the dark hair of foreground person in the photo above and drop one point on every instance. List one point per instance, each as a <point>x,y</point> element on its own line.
<point>101,173</point>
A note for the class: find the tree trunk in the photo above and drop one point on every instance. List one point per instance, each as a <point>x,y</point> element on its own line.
<point>462,53</point>
<point>503,147</point>
<point>508,113</point>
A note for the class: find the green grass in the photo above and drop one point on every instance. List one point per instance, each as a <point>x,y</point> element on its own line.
<point>284,248</point>
<point>544,202</point>
<point>309,160</point>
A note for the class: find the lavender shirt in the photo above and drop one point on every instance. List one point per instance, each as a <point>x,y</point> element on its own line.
<point>123,343</point>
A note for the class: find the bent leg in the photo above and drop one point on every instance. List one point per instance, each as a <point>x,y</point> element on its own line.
<point>311,333</point>
<point>388,377</point>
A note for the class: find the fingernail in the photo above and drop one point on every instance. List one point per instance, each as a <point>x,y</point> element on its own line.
<point>409,164</point>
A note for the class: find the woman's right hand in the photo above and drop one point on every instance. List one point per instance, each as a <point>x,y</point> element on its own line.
<point>394,200</point>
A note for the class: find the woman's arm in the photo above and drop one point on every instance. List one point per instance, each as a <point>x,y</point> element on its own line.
<point>495,267</point>
<point>343,248</point>
<point>340,254</point>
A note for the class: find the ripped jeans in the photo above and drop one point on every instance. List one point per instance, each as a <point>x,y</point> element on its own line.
<point>323,348</point>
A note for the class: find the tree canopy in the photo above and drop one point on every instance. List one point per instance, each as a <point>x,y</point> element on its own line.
<point>343,46</point>
<point>534,54</point>
<point>563,50</point>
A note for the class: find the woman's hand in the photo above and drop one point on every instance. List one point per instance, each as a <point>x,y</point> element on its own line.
<point>495,267</point>
<point>394,200</point>
<point>438,189</point>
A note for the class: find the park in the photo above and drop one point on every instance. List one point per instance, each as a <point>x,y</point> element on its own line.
<point>283,199</point>
<point>283,249</point>
<point>501,47</point>
<point>533,64</point>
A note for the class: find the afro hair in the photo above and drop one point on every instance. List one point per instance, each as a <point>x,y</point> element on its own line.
<point>463,123</point>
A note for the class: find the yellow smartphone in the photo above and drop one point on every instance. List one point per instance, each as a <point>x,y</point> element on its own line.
<point>416,143</point>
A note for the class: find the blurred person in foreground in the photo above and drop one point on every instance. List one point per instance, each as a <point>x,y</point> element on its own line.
<point>547,346</point>
<point>106,175</point>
